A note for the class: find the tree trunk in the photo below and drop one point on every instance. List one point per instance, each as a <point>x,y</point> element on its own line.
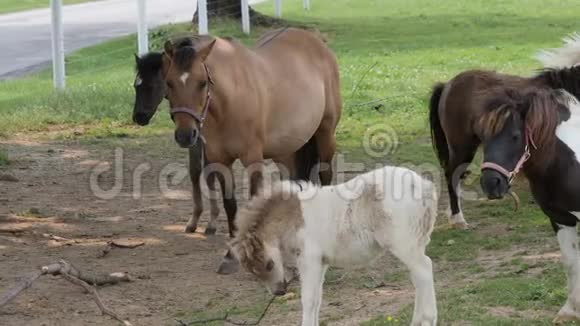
<point>232,9</point>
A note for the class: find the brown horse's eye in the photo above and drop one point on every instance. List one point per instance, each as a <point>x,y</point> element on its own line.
<point>202,84</point>
<point>170,84</point>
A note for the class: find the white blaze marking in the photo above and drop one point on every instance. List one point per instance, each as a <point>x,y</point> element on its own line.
<point>138,80</point>
<point>184,77</point>
<point>569,131</point>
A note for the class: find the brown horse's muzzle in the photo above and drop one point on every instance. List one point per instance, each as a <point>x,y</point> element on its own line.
<point>186,137</point>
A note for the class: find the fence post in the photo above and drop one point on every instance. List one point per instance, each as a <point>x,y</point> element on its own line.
<point>202,23</point>
<point>306,4</point>
<point>58,68</point>
<point>245,17</point>
<point>278,8</point>
<point>142,32</point>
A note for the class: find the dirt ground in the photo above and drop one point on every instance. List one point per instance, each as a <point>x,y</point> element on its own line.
<point>174,273</point>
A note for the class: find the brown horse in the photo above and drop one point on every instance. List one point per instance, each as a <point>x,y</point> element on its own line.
<point>456,105</point>
<point>266,102</point>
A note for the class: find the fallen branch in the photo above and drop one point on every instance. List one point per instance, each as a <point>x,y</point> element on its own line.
<point>115,244</point>
<point>74,276</point>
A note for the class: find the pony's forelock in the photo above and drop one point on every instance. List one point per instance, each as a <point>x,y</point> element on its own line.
<point>149,64</point>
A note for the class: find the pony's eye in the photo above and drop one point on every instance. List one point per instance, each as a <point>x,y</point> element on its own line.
<point>270,265</point>
<point>202,84</point>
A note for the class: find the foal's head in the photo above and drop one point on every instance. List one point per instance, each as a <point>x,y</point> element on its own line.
<point>262,243</point>
<point>518,128</point>
<point>188,80</point>
<point>149,86</point>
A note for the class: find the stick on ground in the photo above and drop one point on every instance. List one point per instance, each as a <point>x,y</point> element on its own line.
<point>74,276</point>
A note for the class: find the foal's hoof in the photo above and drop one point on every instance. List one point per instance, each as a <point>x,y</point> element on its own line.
<point>561,318</point>
<point>210,231</point>
<point>461,226</point>
<point>228,266</point>
<point>190,229</point>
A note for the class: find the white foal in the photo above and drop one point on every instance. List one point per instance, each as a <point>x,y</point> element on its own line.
<point>311,228</point>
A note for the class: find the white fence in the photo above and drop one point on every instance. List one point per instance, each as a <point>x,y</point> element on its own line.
<point>58,53</point>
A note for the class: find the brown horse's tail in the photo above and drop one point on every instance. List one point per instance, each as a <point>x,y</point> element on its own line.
<point>306,159</point>
<point>437,135</point>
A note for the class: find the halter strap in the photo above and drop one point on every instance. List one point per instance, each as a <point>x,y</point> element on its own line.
<point>199,118</point>
<point>510,175</point>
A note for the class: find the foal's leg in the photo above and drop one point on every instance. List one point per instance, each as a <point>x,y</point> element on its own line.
<point>311,282</point>
<point>326,144</point>
<point>421,268</point>
<point>568,240</point>
<point>459,159</point>
<point>195,167</point>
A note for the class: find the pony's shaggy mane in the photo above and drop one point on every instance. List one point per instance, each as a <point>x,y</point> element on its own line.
<point>566,78</point>
<point>252,220</point>
<point>566,56</point>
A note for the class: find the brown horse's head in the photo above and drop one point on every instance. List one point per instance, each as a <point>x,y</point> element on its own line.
<point>518,130</point>
<point>188,81</point>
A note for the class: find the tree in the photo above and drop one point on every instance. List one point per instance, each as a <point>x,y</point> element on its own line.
<point>232,9</point>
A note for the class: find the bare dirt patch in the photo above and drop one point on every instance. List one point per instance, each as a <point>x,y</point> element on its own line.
<point>174,272</point>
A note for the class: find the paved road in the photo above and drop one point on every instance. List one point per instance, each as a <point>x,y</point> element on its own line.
<point>25,36</point>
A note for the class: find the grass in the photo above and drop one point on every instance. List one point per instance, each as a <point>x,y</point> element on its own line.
<point>4,158</point>
<point>390,54</point>
<point>8,6</point>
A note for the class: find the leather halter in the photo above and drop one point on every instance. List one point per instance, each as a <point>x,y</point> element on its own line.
<point>510,175</point>
<point>199,118</point>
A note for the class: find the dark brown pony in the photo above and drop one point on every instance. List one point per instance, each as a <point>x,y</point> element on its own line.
<point>457,105</point>
<point>537,130</point>
<point>270,101</point>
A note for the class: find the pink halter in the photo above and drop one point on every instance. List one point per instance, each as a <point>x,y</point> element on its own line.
<point>510,175</point>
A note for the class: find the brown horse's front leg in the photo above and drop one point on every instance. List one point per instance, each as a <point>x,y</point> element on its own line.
<point>195,167</point>
<point>254,165</point>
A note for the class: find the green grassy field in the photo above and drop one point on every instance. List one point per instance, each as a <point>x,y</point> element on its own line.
<point>390,53</point>
<point>7,6</point>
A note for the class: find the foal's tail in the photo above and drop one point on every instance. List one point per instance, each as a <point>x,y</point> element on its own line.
<point>437,135</point>
<point>306,159</point>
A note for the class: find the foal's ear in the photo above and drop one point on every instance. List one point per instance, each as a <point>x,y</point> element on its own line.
<point>168,47</point>
<point>136,57</point>
<point>206,50</point>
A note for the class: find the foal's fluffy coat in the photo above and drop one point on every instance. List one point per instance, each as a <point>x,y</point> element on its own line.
<point>310,228</point>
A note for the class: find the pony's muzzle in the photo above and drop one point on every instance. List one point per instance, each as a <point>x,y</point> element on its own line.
<point>141,119</point>
<point>494,184</point>
<point>186,138</point>
<point>279,289</point>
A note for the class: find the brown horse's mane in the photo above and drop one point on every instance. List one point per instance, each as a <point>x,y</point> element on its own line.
<point>539,108</point>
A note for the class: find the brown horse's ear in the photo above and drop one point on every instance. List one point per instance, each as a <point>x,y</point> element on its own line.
<point>206,50</point>
<point>168,47</point>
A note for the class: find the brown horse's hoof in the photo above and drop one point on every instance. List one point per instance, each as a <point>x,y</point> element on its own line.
<point>210,231</point>
<point>461,226</point>
<point>228,266</point>
<point>190,229</point>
